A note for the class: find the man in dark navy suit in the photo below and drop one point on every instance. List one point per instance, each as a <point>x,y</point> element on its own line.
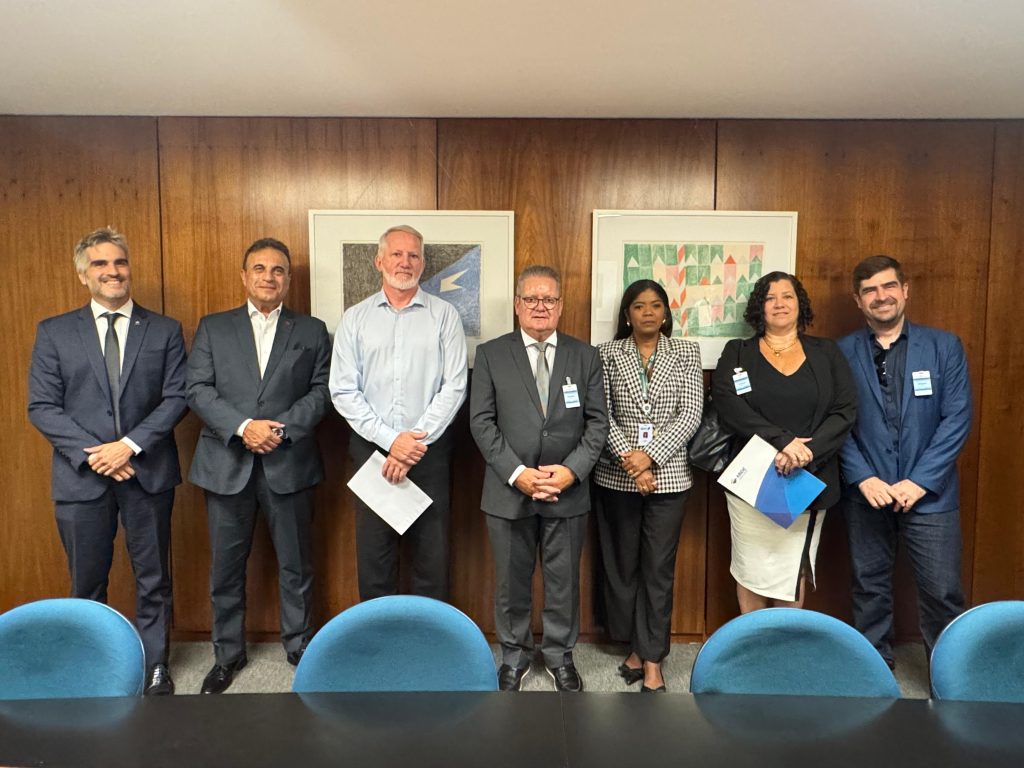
<point>899,462</point>
<point>106,387</point>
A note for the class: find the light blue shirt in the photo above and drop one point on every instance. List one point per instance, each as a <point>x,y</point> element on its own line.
<point>397,370</point>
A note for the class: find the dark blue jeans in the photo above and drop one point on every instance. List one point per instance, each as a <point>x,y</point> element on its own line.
<point>933,543</point>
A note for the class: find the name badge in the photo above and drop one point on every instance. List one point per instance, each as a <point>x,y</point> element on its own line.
<point>922,383</point>
<point>644,434</point>
<point>741,380</point>
<point>570,394</point>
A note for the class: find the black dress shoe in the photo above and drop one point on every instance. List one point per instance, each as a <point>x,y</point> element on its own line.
<point>566,678</point>
<point>630,674</point>
<point>660,689</point>
<point>511,678</point>
<point>158,681</point>
<point>294,657</point>
<point>220,677</point>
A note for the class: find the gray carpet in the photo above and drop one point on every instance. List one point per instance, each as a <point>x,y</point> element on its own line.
<point>268,672</point>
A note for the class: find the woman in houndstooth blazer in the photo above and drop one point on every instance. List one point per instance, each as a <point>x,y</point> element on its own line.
<point>655,397</point>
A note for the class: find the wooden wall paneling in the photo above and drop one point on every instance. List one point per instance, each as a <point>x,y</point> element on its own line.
<point>61,178</point>
<point>224,183</point>
<point>553,173</point>
<point>999,525</point>
<point>919,191</point>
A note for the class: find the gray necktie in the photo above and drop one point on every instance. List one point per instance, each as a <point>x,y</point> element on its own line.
<point>112,357</point>
<point>542,374</point>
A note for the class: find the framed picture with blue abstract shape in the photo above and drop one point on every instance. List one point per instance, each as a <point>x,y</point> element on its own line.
<point>468,262</point>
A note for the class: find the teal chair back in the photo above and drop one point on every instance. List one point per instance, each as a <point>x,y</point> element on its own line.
<point>791,651</point>
<point>397,643</point>
<point>67,648</point>
<point>980,655</point>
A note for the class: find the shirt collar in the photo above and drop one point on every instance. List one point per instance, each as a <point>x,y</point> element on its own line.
<point>380,299</point>
<point>274,313</point>
<point>98,310</point>
<point>528,340</point>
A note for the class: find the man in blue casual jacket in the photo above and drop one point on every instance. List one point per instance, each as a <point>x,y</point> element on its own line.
<point>899,462</point>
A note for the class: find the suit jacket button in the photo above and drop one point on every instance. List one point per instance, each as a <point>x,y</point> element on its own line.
<point>260,403</point>
<point>544,433</point>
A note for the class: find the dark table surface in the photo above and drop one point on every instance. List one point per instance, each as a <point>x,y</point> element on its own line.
<point>493,730</point>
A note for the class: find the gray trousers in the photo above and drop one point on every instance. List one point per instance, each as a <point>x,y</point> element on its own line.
<point>515,544</point>
<point>232,520</point>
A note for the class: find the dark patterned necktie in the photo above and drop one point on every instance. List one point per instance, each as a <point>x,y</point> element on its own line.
<point>112,357</point>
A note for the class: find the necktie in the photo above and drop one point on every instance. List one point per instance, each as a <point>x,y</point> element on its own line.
<point>112,357</point>
<point>543,375</point>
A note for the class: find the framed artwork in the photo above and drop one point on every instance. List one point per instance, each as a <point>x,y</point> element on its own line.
<point>707,261</point>
<point>468,262</point>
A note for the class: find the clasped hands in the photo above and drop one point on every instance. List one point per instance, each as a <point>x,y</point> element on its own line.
<point>111,460</point>
<point>545,482</point>
<point>259,436</point>
<point>796,455</point>
<point>901,495</point>
<point>637,464</point>
<point>405,452</point>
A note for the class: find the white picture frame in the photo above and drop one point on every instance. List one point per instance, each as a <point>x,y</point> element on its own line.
<point>486,310</point>
<point>733,247</point>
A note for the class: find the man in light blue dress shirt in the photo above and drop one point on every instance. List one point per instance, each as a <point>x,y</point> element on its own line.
<point>398,376</point>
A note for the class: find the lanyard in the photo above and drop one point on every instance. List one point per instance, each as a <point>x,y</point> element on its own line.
<point>646,371</point>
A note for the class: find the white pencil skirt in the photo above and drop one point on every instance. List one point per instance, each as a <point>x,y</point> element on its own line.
<point>766,557</point>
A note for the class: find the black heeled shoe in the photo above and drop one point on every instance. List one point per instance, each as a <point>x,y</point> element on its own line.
<point>630,675</point>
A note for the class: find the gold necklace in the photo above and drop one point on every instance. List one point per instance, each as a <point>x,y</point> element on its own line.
<point>779,350</point>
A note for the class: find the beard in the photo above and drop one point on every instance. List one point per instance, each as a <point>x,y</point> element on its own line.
<point>400,283</point>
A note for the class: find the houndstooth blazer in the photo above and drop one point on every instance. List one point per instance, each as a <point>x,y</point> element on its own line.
<point>674,405</point>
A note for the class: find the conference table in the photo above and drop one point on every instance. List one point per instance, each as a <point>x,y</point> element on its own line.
<point>538,730</point>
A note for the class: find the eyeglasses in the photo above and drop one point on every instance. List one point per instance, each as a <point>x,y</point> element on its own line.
<point>881,367</point>
<point>549,302</point>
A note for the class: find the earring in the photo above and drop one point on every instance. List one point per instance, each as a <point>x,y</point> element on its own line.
<point>629,324</point>
<point>664,321</point>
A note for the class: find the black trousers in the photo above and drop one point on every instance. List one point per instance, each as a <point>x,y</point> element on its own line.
<point>639,537</point>
<point>232,520</point>
<point>378,545</point>
<point>87,530</point>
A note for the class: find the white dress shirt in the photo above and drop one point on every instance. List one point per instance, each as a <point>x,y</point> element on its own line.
<point>399,370</point>
<point>121,323</point>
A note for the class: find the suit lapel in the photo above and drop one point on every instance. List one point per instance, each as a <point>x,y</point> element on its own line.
<point>517,351</point>
<point>558,376</point>
<point>91,345</point>
<point>866,360</point>
<point>915,362</point>
<point>285,324</point>
<point>664,366</point>
<point>138,324</point>
<point>628,369</point>
<point>247,342</point>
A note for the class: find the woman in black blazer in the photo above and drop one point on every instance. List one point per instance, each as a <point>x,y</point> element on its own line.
<point>655,397</point>
<point>796,392</point>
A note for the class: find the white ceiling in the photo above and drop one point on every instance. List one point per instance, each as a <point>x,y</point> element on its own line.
<point>531,58</point>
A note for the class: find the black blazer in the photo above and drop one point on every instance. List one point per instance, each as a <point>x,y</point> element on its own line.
<point>834,412</point>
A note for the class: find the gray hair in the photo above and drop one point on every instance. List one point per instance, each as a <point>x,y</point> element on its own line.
<point>538,270</point>
<point>382,244</point>
<point>98,237</point>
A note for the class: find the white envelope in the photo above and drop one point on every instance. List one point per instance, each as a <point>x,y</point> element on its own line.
<point>397,505</point>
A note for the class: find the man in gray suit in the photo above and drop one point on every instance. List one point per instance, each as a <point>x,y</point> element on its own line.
<point>106,387</point>
<point>257,377</point>
<point>538,415</point>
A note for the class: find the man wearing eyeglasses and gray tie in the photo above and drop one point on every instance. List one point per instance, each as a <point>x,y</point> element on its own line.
<point>106,387</point>
<point>538,415</point>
